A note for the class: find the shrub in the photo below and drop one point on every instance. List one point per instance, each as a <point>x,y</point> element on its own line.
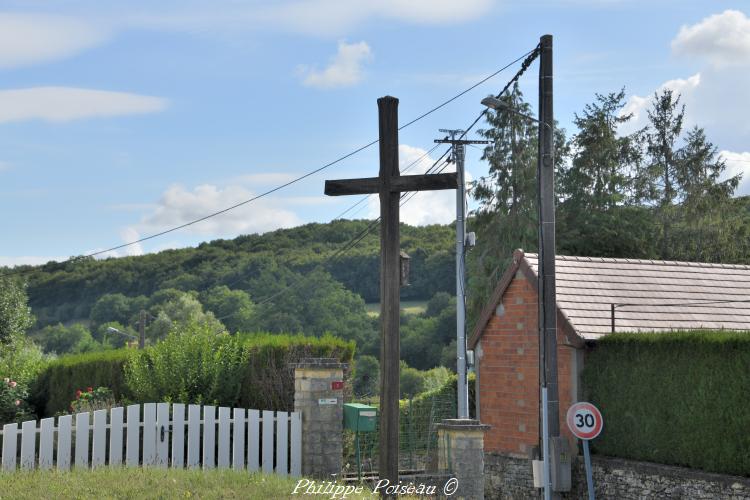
<point>411,380</point>
<point>92,399</point>
<point>193,364</point>
<point>249,371</point>
<point>675,398</point>
<point>57,383</point>
<point>268,379</point>
<point>197,365</point>
<point>13,402</point>
<point>22,360</point>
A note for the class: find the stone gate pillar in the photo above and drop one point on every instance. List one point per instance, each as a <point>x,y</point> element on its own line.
<point>319,396</point>
<point>461,453</point>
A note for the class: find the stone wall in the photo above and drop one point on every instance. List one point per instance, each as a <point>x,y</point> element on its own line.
<point>509,477</point>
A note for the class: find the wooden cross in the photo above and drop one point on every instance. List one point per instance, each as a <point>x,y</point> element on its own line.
<point>389,184</point>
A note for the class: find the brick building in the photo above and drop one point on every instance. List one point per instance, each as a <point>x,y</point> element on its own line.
<point>647,296</point>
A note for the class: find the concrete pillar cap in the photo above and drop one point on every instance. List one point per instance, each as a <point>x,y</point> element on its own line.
<point>323,363</point>
<point>463,424</point>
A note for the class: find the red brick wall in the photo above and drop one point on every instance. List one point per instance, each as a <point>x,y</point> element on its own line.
<point>509,373</point>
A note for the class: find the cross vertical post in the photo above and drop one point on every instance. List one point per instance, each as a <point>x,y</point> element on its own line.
<point>390,242</point>
<point>388,185</point>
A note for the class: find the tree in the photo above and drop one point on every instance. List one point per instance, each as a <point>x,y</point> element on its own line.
<point>181,310</point>
<point>15,314</point>
<point>313,304</point>
<point>507,217</point>
<point>411,381</point>
<point>439,302</point>
<point>681,182</point>
<point>233,307</point>
<point>599,178</point>
<point>597,216</point>
<point>61,339</point>
<point>366,378</point>
<point>111,307</point>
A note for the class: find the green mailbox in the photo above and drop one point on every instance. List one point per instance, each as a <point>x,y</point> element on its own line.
<point>359,417</point>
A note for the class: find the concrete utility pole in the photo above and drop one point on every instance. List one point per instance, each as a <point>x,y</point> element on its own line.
<point>547,295</point>
<point>389,184</point>
<point>462,386</point>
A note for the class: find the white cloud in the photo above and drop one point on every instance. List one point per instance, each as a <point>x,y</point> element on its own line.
<point>723,39</point>
<point>4,165</point>
<point>128,235</point>
<point>344,70</point>
<point>179,205</point>
<point>713,96</point>
<point>638,106</point>
<point>61,104</point>
<point>425,207</point>
<point>32,38</point>
<point>738,163</point>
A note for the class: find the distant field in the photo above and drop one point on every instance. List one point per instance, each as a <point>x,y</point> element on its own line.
<point>408,306</point>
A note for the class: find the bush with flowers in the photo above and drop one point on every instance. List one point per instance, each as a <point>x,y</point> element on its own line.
<point>13,404</point>
<point>92,399</point>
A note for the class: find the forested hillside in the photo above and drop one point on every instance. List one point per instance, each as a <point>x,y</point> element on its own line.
<point>657,193</point>
<point>259,264</point>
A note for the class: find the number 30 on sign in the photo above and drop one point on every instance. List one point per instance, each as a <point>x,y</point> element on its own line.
<point>585,420</point>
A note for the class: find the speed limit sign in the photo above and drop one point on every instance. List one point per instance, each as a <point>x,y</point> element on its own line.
<point>585,420</point>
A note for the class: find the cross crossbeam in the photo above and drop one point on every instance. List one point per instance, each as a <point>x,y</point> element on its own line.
<point>399,184</point>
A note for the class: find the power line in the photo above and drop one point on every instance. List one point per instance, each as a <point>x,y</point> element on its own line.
<point>354,241</point>
<point>350,244</point>
<point>339,216</point>
<point>294,181</point>
<point>406,169</point>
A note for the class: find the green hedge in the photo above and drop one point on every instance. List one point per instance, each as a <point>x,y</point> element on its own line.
<point>267,380</point>
<point>679,398</point>
<point>56,385</point>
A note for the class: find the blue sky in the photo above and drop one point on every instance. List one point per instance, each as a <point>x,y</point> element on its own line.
<point>119,120</point>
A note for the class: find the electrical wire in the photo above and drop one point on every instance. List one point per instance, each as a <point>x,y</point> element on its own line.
<point>339,216</point>
<point>293,181</point>
<point>354,241</point>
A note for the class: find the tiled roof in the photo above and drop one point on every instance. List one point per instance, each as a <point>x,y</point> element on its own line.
<point>649,295</point>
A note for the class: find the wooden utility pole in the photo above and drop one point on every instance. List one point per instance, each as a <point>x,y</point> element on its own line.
<point>389,184</point>
<point>547,296</point>
<point>142,330</point>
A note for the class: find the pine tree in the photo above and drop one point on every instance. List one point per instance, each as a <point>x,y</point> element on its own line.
<point>507,217</point>
<point>597,216</point>
<point>682,182</point>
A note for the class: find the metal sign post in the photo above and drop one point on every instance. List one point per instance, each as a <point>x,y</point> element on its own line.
<point>585,422</point>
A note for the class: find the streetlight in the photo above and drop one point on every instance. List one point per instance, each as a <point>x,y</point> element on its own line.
<point>112,329</point>
<point>497,105</point>
<point>547,301</point>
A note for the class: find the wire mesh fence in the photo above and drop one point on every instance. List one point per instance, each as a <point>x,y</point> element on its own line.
<point>418,439</point>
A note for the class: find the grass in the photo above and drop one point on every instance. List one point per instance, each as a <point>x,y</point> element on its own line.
<point>408,306</point>
<point>147,483</point>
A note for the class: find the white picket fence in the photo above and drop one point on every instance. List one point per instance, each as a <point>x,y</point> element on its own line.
<point>152,435</point>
